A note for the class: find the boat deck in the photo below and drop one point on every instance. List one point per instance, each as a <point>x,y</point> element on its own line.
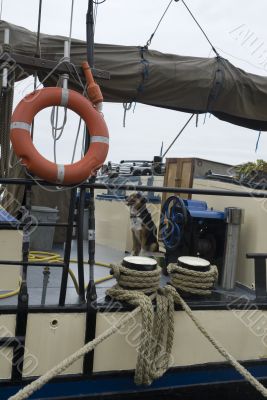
<point>219,299</point>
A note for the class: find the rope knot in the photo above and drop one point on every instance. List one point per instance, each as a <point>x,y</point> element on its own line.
<point>156,336</point>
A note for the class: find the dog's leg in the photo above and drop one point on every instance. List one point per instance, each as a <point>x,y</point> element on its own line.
<point>136,243</point>
<point>144,248</point>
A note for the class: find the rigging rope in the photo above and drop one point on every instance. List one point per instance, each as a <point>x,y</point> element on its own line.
<point>148,43</point>
<point>95,15</point>
<point>57,131</point>
<point>97,2</point>
<point>71,22</point>
<point>258,141</point>
<point>2,2</point>
<point>6,104</point>
<point>200,27</point>
<point>37,53</point>
<point>38,44</point>
<point>54,124</point>
<point>180,132</point>
<point>76,140</point>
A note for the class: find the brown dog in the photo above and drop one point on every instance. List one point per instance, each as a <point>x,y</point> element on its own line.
<point>144,230</point>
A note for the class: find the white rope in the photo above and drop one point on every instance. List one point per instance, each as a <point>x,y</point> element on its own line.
<point>76,140</point>
<point>1,10</point>
<point>57,131</point>
<point>71,22</point>
<point>63,365</point>
<point>55,128</point>
<point>157,331</point>
<point>193,282</point>
<point>218,346</point>
<point>147,370</point>
<point>143,281</point>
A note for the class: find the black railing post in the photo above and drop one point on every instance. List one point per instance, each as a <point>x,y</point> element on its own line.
<point>67,252</point>
<point>91,296</point>
<point>79,230</point>
<point>20,333</point>
<point>23,296</point>
<point>260,274</point>
<point>90,33</point>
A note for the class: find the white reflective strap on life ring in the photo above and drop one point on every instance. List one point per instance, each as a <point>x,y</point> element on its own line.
<point>64,97</point>
<point>60,173</point>
<point>99,139</point>
<point>21,125</point>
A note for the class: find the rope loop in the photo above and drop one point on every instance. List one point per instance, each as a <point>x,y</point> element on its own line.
<point>143,281</point>
<point>156,337</point>
<point>193,282</point>
<point>157,331</point>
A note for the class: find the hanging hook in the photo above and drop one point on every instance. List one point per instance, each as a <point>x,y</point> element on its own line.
<point>127,107</point>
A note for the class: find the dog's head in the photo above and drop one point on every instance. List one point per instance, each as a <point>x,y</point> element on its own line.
<point>136,200</point>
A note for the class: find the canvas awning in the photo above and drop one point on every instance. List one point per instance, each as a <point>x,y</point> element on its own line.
<point>188,84</point>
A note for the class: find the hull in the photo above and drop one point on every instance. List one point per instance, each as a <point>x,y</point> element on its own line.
<point>211,380</point>
<point>197,367</point>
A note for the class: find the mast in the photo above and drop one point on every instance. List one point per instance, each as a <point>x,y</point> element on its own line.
<point>90,33</point>
<point>91,297</point>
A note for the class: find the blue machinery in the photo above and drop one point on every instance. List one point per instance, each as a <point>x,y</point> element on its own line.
<point>189,227</point>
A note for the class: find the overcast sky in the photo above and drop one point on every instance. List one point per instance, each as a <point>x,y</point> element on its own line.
<point>236,27</point>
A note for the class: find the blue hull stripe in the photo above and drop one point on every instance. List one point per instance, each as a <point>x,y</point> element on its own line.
<point>124,383</point>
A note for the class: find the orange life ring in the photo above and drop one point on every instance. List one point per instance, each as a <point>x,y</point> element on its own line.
<point>21,122</point>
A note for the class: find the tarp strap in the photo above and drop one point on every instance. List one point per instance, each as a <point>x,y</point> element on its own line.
<point>145,71</point>
<point>217,84</point>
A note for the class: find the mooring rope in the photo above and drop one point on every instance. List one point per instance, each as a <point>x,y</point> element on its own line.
<point>218,346</point>
<point>152,361</point>
<point>28,390</point>
<point>143,281</point>
<point>193,282</point>
<point>156,336</point>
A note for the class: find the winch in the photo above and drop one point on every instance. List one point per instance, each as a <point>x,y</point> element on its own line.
<point>190,228</point>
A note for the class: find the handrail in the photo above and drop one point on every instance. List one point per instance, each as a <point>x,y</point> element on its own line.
<point>131,187</point>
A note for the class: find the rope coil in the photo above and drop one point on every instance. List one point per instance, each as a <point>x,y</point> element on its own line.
<point>157,331</point>
<point>193,282</point>
<point>144,281</point>
<point>152,362</point>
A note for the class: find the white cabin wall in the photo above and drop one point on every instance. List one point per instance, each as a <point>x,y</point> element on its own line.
<point>50,344</point>
<point>242,340</point>
<point>7,329</point>
<point>245,338</point>
<point>10,250</point>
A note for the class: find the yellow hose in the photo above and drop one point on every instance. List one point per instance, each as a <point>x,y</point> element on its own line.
<point>14,292</point>
<point>44,256</point>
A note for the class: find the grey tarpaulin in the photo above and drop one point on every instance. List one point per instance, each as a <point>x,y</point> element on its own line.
<point>190,84</point>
